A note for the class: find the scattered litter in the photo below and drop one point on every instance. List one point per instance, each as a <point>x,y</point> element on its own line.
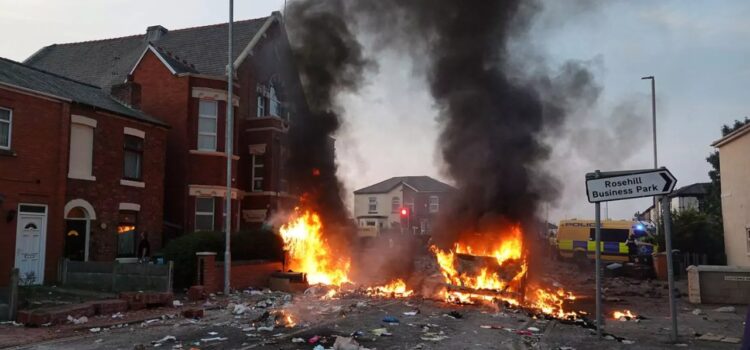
<point>256,292</point>
<point>206,340</point>
<point>711,337</point>
<point>533,329</point>
<point>167,338</point>
<point>46,324</point>
<point>566,348</point>
<point>118,315</point>
<point>732,340</point>
<point>697,312</point>
<point>265,329</point>
<point>626,341</point>
<point>726,309</point>
<point>390,319</point>
<point>98,340</point>
<point>614,266</point>
<point>239,309</point>
<point>213,333</point>
<point>411,313</point>
<point>381,332</point>
<point>491,326</point>
<point>523,332</point>
<point>313,339</point>
<point>346,343</point>
<point>433,337</point>
<point>681,345</point>
<point>298,340</point>
<point>176,303</point>
<point>609,337</point>
<point>248,329</point>
<point>319,347</point>
<point>80,320</point>
<point>95,330</point>
<point>455,314</point>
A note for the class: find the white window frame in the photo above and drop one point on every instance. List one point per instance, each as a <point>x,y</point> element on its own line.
<point>205,213</point>
<point>395,205</point>
<point>372,204</point>
<point>261,109</point>
<point>434,207</point>
<point>273,101</point>
<point>87,123</point>
<point>205,133</point>
<point>10,128</point>
<point>255,176</point>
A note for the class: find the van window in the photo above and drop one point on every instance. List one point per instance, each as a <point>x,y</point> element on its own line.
<point>610,234</point>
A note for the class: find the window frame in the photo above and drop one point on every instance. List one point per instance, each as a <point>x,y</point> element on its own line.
<point>436,204</point>
<point>261,106</point>
<point>274,100</point>
<point>205,213</point>
<point>259,167</point>
<point>214,134</point>
<point>372,205</point>
<point>138,152</point>
<point>10,128</point>
<point>395,205</point>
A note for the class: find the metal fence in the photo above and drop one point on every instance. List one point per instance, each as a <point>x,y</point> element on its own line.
<point>694,259</point>
<point>117,277</point>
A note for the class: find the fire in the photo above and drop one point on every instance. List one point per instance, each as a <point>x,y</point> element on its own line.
<point>125,228</point>
<point>309,252</point>
<point>286,319</point>
<point>470,275</point>
<point>395,289</point>
<point>626,314</point>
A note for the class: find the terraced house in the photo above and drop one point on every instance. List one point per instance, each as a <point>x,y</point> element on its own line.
<point>81,173</point>
<point>179,76</point>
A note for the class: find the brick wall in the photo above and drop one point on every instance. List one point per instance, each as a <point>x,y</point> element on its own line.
<point>244,274</point>
<point>106,193</point>
<point>32,172</point>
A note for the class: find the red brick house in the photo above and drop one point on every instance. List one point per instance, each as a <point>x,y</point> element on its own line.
<point>80,173</point>
<point>401,204</point>
<point>181,75</point>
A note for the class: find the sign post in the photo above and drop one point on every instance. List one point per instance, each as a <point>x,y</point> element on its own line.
<point>619,185</point>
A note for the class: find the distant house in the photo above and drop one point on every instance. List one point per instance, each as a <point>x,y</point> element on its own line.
<point>401,204</point>
<point>81,173</point>
<point>734,162</point>
<point>690,197</point>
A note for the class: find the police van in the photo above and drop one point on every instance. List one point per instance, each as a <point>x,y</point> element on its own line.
<point>576,240</point>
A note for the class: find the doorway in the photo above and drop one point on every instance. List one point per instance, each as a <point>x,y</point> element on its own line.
<point>31,236</point>
<point>76,231</point>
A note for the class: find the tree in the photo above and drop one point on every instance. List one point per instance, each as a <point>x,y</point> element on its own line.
<point>699,232</point>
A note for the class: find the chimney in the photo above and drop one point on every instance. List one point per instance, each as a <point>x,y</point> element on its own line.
<point>128,93</point>
<point>154,33</point>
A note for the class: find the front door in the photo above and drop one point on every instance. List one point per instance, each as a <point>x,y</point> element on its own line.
<point>75,239</point>
<point>30,242</point>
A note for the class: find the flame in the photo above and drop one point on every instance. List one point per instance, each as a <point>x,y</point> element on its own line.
<point>395,289</point>
<point>125,228</point>
<point>623,314</point>
<point>286,319</point>
<point>309,252</point>
<point>508,252</point>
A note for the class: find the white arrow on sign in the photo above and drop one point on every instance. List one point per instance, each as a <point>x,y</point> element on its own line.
<point>613,186</point>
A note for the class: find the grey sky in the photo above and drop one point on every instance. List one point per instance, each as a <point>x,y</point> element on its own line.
<point>696,49</point>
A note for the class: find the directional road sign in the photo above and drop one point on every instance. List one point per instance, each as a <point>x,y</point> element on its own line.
<point>617,185</point>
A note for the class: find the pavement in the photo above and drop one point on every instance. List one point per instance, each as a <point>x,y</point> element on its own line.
<point>259,320</point>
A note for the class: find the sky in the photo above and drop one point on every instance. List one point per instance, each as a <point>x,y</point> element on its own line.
<point>697,50</point>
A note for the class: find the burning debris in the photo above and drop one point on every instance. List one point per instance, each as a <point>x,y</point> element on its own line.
<point>395,289</point>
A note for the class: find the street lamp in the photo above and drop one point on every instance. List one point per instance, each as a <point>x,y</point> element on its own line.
<point>653,123</point>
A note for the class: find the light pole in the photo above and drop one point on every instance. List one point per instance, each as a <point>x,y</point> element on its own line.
<point>228,136</point>
<point>656,163</point>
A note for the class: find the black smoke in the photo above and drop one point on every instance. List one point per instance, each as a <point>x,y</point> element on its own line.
<point>494,108</point>
<point>330,60</point>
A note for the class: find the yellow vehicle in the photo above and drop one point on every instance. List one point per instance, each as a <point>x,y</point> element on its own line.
<point>575,239</point>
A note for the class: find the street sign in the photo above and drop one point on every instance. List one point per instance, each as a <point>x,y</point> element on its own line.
<point>617,185</point>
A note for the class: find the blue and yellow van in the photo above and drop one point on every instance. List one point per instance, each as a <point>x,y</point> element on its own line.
<point>575,239</point>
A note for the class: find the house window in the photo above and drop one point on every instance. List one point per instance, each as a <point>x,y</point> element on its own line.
<point>257,175</point>
<point>207,125</point>
<point>371,223</point>
<point>6,123</point>
<point>373,205</point>
<point>395,205</point>
<point>261,106</point>
<point>133,164</point>
<point>434,204</point>
<point>204,213</point>
<point>126,234</point>
<point>81,151</point>
<point>275,104</point>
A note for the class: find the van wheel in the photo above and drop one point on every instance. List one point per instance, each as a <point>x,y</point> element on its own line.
<point>580,259</point>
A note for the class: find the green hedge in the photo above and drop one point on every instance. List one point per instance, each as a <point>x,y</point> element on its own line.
<point>248,245</point>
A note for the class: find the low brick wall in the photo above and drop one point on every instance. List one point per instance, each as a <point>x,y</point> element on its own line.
<point>117,277</point>
<point>245,274</point>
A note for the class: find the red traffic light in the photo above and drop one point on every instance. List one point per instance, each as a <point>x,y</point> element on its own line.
<point>404,212</point>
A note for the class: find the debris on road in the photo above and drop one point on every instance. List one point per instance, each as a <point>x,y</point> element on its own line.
<point>697,312</point>
<point>167,338</point>
<point>346,343</point>
<point>726,309</point>
<point>80,320</point>
<point>95,330</point>
<point>390,319</point>
<point>381,332</point>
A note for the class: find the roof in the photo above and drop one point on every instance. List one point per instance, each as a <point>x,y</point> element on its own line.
<point>695,190</point>
<point>108,62</point>
<point>732,136</point>
<point>19,75</point>
<point>418,183</point>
